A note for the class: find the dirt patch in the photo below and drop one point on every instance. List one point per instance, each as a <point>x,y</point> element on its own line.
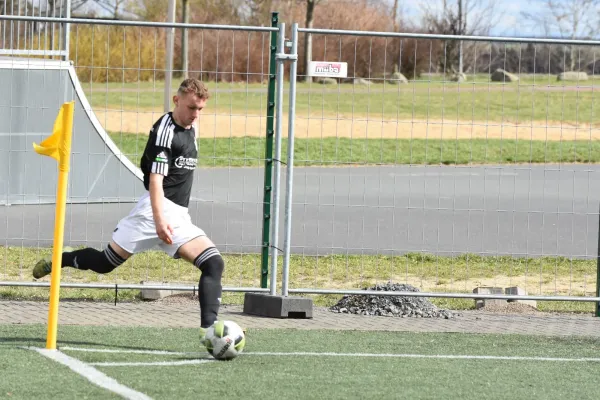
<point>224,125</point>
<point>182,298</point>
<point>509,308</point>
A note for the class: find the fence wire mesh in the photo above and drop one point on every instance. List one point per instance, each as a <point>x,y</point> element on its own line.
<point>410,170</point>
<point>118,76</point>
<point>414,171</point>
<point>30,37</point>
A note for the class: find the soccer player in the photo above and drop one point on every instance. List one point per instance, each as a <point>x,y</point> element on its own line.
<point>160,217</point>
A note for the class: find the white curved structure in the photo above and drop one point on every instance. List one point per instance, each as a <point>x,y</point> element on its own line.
<point>32,92</point>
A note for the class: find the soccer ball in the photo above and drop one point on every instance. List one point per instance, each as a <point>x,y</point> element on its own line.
<point>224,340</point>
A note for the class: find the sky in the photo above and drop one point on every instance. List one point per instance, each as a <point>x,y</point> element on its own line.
<point>511,23</point>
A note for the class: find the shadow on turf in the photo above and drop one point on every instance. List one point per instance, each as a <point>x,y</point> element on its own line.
<point>41,342</point>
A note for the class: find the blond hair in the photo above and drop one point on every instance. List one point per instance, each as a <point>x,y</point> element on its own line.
<point>195,86</point>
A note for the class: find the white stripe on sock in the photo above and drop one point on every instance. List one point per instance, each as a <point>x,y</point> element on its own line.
<point>208,253</point>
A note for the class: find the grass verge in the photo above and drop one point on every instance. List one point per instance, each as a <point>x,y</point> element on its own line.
<point>429,273</point>
<point>540,99</point>
<point>250,151</point>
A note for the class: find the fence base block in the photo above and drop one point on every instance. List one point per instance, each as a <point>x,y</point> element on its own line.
<point>272,306</point>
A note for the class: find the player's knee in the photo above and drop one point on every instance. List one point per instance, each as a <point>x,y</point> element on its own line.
<point>210,263</point>
<point>213,267</point>
<point>104,267</point>
<point>109,261</point>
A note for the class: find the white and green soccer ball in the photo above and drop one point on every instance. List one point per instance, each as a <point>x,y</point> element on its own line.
<point>225,340</point>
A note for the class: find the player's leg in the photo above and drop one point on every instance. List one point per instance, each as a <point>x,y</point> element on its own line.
<point>202,252</point>
<point>89,258</point>
<point>134,233</point>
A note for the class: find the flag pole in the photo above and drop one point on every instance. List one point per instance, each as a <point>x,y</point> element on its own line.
<point>58,146</point>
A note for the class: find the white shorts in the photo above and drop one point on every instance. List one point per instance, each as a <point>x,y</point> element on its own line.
<point>137,233</point>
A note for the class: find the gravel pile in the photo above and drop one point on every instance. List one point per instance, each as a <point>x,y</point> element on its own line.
<point>390,306</point>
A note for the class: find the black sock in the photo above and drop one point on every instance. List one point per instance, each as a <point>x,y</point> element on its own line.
<point>211,264</point>
<point>101,262</point>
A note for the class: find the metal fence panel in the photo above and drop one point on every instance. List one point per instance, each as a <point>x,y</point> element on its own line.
<point>116,75</point>
<point>412,171</point>
<point>407,171</point>
<point>33,37</point>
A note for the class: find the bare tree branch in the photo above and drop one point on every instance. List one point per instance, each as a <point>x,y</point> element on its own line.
<point>459,17</point>
<point>569,19</point>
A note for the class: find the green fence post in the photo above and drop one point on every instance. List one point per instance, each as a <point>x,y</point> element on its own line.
<point>598,270</point>
<point>264,258</point>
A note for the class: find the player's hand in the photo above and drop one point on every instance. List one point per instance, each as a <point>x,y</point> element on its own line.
<point>164,231</point>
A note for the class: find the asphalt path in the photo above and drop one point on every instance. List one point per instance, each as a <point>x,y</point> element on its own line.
<point>517,210</point>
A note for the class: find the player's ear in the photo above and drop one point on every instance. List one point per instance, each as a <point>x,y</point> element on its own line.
<point>175,99</point>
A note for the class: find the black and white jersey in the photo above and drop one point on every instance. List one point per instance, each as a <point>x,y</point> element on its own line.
<point>171,151</point>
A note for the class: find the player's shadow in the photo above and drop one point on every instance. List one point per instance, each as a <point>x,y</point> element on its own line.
<point>41,342</point>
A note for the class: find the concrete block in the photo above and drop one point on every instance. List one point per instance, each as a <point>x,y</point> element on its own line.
<point>155,294</point>
<point>488,290</point>
<point>479,303</point>
<point>397,78</point>
<point>572,76</point>
<point>328,81</point>
<point>515,290</point>
<point>459,77</point>
<point>362,81</point>
<point>501,75</point>
<point>518,291</point>
<point>272,306</point>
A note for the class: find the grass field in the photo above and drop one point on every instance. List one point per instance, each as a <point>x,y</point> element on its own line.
<point>545,275</point>
<point>293,364</point>
<point>536,120</point>
<point>531,99</point>
<point>538,80</point>
<point>249,151</point>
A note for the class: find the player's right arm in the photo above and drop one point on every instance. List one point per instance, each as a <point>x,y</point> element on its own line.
<point>157,195</point>
<point>159,154</point>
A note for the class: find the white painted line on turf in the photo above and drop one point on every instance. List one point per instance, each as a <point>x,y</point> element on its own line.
<point>151,364</point>
<point>155,352</point>
<point>438,356</point>
<point>92,374</point>
<point>383,355</point>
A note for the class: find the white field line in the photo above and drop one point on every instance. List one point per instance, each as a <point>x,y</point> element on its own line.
<point>152,364</point>
<point>119,351</point>
<point>91,374</point>
<point>315,354</point>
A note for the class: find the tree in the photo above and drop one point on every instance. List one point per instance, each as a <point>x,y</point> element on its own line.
<point>310,16</point>
<point>9,8</point>
<point>257,11</point>
<point>396,28</point>
<point>185,18</point>
<point>459,17</point>
<point>569,19</point>
<point>114,8</point>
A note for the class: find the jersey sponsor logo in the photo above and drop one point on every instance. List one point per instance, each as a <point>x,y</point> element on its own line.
<point>161,157</point>
<point>187,163</point>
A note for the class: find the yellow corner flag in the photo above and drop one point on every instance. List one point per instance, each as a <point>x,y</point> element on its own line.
<point>58,146</point>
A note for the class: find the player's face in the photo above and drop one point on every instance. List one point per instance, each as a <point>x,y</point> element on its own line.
<point>187,108</point>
